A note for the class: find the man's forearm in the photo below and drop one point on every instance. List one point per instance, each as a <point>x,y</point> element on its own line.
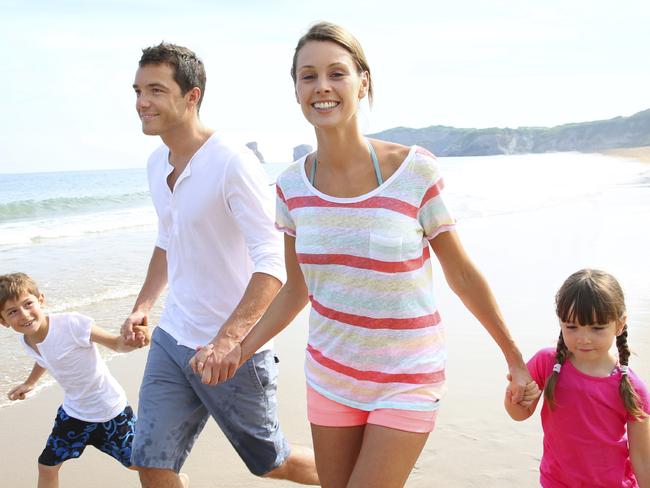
<point>259,293</point>
<point>154,283</point>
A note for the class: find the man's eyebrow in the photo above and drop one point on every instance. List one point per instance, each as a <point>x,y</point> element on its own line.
<point>151,85</point>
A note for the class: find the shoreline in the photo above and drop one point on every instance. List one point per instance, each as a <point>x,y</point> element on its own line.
<point>524,254</point>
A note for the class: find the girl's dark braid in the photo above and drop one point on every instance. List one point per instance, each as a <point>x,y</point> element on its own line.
<point>561,354</point>
<point>626,389</point>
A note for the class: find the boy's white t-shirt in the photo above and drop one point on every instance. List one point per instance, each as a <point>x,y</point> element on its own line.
<point>91,392</point>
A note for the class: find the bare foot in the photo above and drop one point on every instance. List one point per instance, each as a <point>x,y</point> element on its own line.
<point>184,479</point>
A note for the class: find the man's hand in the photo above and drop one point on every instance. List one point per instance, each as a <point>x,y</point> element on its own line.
<point>133,328</point>
<point>218,361</point>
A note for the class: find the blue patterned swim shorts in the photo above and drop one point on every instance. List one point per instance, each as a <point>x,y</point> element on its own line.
<point>70,436</point>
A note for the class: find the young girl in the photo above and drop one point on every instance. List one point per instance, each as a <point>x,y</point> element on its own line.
<point>360,218</point>
<point>595,412</point>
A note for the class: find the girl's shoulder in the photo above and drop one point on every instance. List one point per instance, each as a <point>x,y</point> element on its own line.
<point>541,364</point>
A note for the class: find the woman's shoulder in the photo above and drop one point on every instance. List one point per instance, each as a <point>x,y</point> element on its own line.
<point>292,174</point>
<point>390,154</point>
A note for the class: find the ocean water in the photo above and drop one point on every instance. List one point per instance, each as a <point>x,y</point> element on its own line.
<point>86,237</point>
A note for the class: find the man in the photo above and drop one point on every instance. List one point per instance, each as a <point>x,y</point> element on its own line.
<point>219,253</point>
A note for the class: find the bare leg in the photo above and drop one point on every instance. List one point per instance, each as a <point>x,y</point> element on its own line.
<point>337,449</point>
<point>161,478</point>
<point>299,467</point>
<point>386,458</point>
<point>48,476</point>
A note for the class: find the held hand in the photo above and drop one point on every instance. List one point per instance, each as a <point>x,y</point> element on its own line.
<point>127,330</point>
<point>531,393</point>
<point>219,362</point>
<point>142,335</point>
<point>19,392</point>
<point>519,378</point>
<point>203,353</point>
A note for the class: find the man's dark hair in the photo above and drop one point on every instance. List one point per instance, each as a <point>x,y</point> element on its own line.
<point>187,67</point>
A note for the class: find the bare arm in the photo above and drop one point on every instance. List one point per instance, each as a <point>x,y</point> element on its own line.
<point>19,392</point>
<point>468,283</point>
<point>153,286</point>
<point>291,299</point>
<point>117,342</point>
<point>519,412</point>
<point>284,307</point>
<point>638,438</point>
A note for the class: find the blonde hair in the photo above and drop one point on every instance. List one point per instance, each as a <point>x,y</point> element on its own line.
<point>12,286</point>
<point>326,31</point>
<point>592,296</point>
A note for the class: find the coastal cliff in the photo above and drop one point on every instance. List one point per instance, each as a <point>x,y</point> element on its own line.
<point>619,132</point>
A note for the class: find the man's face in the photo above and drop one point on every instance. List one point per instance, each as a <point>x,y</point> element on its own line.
<point>159,101</point>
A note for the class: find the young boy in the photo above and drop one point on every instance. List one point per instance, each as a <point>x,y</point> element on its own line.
<point>94,409</point>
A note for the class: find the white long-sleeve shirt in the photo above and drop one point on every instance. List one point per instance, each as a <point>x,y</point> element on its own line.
<point>217,229</point>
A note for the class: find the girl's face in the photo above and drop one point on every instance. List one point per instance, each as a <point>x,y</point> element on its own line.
<point>591,343</point>
<point>328,84</point>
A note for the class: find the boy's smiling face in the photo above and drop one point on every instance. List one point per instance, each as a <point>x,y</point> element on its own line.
<point>24,314</point>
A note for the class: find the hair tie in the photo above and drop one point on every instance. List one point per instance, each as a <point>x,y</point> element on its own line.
<point>557,367</point>
<point>623,368</point>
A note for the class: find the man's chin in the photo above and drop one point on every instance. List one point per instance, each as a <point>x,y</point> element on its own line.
<point>149,131</point>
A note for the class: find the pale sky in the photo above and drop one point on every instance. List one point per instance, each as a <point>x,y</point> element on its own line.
<point>67,68</point>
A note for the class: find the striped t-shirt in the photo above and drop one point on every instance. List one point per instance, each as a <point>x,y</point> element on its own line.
<point>375,335</point>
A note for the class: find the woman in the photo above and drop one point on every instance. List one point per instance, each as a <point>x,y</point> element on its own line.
<point>360,217</point>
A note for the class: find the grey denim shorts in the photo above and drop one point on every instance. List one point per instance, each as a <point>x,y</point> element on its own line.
<point>174,406</point>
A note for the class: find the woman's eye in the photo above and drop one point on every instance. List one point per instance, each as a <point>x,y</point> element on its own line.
<point>307,77</point>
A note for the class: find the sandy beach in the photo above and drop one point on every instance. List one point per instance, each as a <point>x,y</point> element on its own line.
<point>636,153</point>
<point>525,255</point>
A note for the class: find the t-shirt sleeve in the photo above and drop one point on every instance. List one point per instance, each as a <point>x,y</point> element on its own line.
<point>162,239</point>
<point>80,327</point>
<point>283,220</point>
<point>541,365</point>
<point>433,214</point>
<point>641,390</point>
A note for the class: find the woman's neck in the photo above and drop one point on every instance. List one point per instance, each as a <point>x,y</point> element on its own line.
<point>339,148</point>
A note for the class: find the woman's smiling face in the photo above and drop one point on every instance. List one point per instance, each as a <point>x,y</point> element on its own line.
<point>328,84</point>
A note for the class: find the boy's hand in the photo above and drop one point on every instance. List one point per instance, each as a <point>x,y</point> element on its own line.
<point>19,392</point>
<point>142,336</point>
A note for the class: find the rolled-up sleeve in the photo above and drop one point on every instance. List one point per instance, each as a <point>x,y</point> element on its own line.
<point>251,200</point>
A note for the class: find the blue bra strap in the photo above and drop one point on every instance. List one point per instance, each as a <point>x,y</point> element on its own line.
<point>375,164</point>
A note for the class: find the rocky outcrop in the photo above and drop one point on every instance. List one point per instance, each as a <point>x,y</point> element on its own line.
<point>301,150</point>
<point>618,132</point>
<point>253,147</point>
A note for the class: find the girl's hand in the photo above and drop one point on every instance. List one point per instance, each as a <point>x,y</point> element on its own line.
<point>520,379</point>
<point>19,392</point>
<point>531,392</point>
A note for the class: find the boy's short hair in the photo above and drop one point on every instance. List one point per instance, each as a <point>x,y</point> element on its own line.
<point>15,284</point>
<point>187,66</point>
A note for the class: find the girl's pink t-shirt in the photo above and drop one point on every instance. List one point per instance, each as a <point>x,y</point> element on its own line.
<point>585,435</point>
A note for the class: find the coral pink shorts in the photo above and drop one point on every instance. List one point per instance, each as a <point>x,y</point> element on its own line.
<point>327,413</point>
